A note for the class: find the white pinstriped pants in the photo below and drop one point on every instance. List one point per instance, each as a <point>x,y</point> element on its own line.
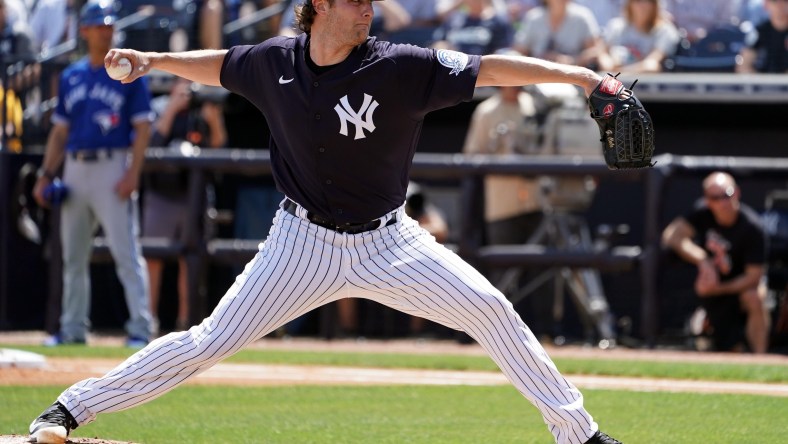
<point>302,266</point>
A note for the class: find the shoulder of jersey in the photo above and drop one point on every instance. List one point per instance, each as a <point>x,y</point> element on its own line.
<point>382,48</point>
<point>280,41</point>
<point>79,65</point>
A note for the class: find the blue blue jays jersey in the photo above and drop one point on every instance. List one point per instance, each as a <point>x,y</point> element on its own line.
<point>99,111</point>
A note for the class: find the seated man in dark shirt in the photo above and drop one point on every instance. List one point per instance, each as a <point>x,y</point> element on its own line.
<point>766,47</point>
<point>15,46</point>
<point>725,240</point>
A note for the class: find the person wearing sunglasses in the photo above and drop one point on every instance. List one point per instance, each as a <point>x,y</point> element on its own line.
<point>723,237</point>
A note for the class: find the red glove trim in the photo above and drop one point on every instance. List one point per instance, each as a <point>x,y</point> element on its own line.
<point>610,85</point>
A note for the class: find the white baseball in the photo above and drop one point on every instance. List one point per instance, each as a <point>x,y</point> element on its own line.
<point>121,71</point>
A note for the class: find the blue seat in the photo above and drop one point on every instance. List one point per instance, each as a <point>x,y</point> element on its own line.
<point>716,52</point>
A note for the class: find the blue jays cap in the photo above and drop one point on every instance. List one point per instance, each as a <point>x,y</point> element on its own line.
<point>97,13</point>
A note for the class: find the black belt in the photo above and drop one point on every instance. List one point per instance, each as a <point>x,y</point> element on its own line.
<point>93,154</point>
<point>291,207</point>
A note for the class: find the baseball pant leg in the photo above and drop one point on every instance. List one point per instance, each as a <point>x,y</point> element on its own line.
<point>297,269</point>
<point>119,218</point>
<point>77,225</point>
<point>410,272</point>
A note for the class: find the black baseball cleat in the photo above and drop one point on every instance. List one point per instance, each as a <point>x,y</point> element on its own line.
<point>601,438</point>
<point>52,426</point>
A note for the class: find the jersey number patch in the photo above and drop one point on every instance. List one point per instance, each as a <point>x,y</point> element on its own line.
<point>348,114</point>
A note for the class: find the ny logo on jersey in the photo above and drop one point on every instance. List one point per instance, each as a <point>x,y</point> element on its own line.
<point>348,114</point>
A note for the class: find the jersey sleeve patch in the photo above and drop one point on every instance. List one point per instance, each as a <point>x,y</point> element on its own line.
<point>455,60</point>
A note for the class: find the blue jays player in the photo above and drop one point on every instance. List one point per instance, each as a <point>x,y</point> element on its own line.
<point>345,112</point>
<point>100,130</point>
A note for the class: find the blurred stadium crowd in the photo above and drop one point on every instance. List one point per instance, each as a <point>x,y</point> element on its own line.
<point>39,37</point>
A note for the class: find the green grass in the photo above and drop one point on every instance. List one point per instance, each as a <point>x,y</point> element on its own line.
<point>600,366</point>
<point>429,415</point>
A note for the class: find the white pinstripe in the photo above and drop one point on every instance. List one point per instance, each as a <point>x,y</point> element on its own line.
<point>302,266</point>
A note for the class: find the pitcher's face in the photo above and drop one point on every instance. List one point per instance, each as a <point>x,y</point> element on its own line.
<point>348,21</point>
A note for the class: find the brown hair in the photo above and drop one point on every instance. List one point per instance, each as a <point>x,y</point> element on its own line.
<point>655,20</point>
<point>305,15</point>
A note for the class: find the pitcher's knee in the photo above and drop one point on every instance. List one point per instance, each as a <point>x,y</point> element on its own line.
<point>493,307</point>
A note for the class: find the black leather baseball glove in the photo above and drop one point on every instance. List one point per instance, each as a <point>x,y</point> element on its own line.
<point>626,129</point>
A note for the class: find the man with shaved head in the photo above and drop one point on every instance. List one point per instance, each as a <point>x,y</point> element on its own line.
<point>725,240</point>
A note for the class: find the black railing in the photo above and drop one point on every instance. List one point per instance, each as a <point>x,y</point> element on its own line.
<point>253,19</point>
<point>467,172</point>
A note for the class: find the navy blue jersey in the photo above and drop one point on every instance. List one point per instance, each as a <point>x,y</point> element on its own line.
<point>743,243</point>
<point>343,141</point>
<point>99,111</point>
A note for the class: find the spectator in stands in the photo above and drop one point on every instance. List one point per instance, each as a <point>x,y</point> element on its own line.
<point>724,239</point>
<point>287,24</point>
<point>505,124</point>
<point>516,9</point>
<point>49,21</point>
<point>11,134</point>
<point>210,19</point>
<point>604,10</point>
<point>17,12</point>
<point>214,14</point>
<point>561,31</point>
<point>476,28</point>
<point>15,45</point>
<point>184,120</point>
<point>52,22</point>
<point>695,18</point>
<point>423,13</point>
<point>568,132</point>
<point>752,11</point>
<point>641,39</point>
<point>390,16</point>
<point>766,47</point>
<point>15,40</point>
